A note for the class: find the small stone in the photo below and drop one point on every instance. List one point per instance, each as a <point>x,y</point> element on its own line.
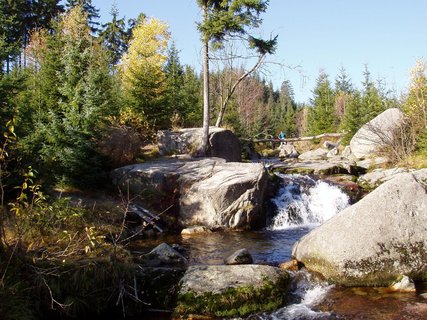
<point>405,284</point>
<point>195,230</point>
<point>163,255</point>
<point>289,265</point>
<point>241,256</point>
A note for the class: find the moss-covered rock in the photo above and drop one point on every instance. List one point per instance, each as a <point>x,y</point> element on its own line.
<point>230,291</point>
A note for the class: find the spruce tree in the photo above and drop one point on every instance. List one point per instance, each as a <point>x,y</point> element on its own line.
<point>322,117</point>
<point>114,36</point>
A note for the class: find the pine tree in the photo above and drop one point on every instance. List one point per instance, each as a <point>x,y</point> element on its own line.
<point>322,117</point>
<point>288,109</point>
<point>192,97</point>
<point>114,36</point>
<point>174,82</point>
<point>72,98</point>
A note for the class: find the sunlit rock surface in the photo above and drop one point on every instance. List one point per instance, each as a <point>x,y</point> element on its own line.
<point>376,133</point>
<point>375,241</point>
<point>208,192</point>
<point>222,143</point>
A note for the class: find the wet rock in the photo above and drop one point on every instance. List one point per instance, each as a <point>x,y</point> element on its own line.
<point>242,256</point>
<point>195,230</point>
<point>162,255</point>
<point>405,284</point>
<point>231,291</point>
<point>374,241</point>
<point>372,136</point>
<point>290,265</point>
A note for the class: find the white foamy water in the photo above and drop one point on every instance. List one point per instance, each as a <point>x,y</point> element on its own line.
<point>305,295</point>
<point>304,202</point>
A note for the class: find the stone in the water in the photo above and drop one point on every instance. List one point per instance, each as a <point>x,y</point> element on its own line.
<point>376,240</point>
<point>405,284</point>
<point>231,291</point>
<point>163,255</point>
<point>195,230</point>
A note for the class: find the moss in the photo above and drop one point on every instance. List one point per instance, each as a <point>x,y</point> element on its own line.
<point>374,272</point>
<point>234,302</point>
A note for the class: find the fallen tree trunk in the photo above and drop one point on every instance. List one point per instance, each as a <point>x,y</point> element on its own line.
<point>323,135</point>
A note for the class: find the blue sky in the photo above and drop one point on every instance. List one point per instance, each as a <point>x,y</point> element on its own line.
<point>387,36</point>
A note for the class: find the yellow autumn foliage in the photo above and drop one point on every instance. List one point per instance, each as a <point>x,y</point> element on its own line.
<point>143,63</point>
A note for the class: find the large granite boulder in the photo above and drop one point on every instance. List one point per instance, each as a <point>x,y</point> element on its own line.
<point>375,241</point>
<point>230,291</point>
<point>222,143</point>
<point>372,136</point>
<point>207,192</point>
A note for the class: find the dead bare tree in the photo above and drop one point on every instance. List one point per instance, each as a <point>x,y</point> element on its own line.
<point>231,60</point>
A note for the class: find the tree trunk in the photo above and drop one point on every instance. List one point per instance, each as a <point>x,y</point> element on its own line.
<point>206,107</point>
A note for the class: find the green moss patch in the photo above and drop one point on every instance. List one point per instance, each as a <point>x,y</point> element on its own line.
<point>234,302</point>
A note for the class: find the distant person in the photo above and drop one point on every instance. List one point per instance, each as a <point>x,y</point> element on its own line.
<point>282,137</point>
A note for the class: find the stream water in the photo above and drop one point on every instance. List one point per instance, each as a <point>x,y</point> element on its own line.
<point>302,204</point>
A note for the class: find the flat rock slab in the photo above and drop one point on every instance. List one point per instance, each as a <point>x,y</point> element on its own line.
<point>208,192</point>
<point>234,290</point>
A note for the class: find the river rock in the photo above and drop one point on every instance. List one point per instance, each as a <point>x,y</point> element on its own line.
<point>376,240</point>
<point>405,284</point>
<point>163,255</point>
<point>231,291</point>
<point>194,230</point>
<point>372,136</point>
<point>373,179</point>
<point>241,256</point>
<point>207,192</point>
<point>222,143</point>
<point>287,150</point>
<point>318,154</point>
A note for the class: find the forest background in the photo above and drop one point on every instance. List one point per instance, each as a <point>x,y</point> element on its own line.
<point>79,98</point>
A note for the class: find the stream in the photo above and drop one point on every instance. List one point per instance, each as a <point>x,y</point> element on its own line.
<point>302,204</point>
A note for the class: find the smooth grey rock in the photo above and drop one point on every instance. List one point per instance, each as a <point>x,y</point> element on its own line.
<point>369,139</point>
<point>217,279</point>
<point>318,154</point>
<point>242,256</point>
<point>222,143</point>
<point>163,255</point>
<point>224,291</point>
<point>208,192</point>
<point>374,241</point>
<point>373,162</point>
<point>373,179</point>
<point>287,150</point>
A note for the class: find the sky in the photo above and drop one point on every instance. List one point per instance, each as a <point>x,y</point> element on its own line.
<point>388,36</point>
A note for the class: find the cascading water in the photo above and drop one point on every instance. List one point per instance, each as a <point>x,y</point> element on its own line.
<point>305,202</point>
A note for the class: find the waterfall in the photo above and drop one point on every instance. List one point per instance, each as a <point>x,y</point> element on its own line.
<point>305,202</point>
